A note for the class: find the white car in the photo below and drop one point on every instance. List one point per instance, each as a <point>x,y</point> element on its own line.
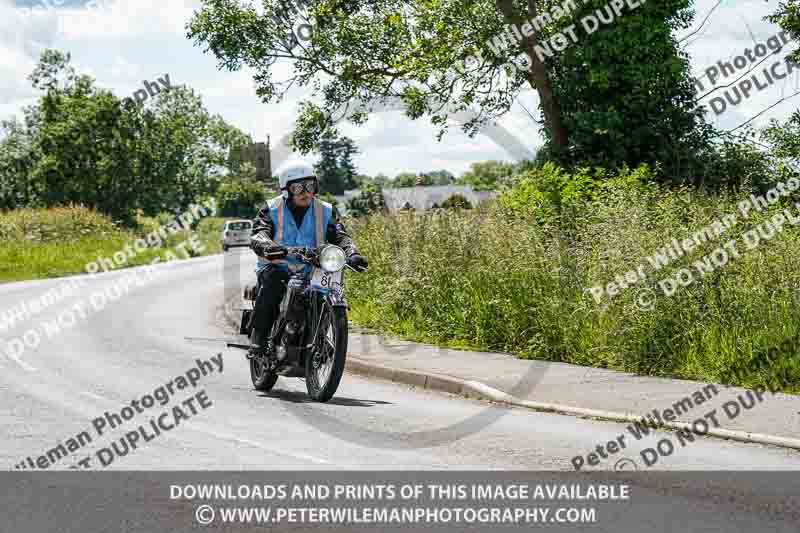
<point>236,233</point>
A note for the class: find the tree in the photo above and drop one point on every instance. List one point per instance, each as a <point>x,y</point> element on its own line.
<point>81,144</point>
<point>787,17</point>
<point>404,179</point>
<point>379,48</point>
<point>424,179</point>
<point>445,56</point>
<point>335,169</point>
<point>440,177</point>
<point>487,175</point>
<point>626,93</point>
<point>85,146</point>
<point>347,149</point>
<point>240,195</point>
<point>17,158</point>
<point>381,180</point>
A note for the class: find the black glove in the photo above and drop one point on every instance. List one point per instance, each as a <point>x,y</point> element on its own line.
<point>276,251</point>
<point>358,262</point>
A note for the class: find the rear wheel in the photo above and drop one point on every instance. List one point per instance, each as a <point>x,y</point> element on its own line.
<point>325,362</point>
<point>263,379</point>
<point>224,247</point>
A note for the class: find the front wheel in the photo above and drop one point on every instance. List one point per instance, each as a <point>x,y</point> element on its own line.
<point>325,362</point>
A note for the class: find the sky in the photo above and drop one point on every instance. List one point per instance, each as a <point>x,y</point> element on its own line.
<point>123,43</point>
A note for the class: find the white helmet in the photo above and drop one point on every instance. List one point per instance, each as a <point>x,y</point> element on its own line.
<point>296,171</point>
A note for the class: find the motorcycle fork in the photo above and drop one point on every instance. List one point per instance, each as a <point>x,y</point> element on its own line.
<point>318,308</point>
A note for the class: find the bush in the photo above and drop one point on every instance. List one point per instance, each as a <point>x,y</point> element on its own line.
<point>61,224</point>
<point>548,193</point>
<point>455,277</point>
<point>209,231</point>
<point>457,201</point>
<point>369,201</point>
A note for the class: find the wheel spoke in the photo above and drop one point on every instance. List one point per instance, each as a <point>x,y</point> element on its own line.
<point>330,337</point>
<point>325,355</point>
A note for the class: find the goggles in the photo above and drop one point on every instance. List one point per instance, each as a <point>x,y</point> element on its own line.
<point>297,187</point>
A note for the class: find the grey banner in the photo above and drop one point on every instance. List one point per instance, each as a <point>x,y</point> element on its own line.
<point>85,502</point>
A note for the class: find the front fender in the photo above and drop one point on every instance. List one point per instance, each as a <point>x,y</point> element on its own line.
<point>335,297</point>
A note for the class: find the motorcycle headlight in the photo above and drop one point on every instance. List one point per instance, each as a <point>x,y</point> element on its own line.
<point>332,259</point>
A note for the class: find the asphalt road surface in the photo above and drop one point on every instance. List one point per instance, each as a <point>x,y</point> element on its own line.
<point>155,331</point>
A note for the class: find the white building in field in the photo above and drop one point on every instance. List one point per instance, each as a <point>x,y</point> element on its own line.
<point>421,198</point>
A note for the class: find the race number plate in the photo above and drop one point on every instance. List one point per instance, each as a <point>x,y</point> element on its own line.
<point>325,280</point>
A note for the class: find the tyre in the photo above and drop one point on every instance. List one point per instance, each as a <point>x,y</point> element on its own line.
<point>325,362</point>
<point>263,379</point>
<point>224,248</point>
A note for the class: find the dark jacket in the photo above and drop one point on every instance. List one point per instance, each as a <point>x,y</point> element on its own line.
<point>263,233</point>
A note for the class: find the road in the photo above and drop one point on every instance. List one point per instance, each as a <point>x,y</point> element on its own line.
<point>156,331</point>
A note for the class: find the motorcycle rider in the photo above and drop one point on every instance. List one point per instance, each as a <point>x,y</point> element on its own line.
<point>296,218</point>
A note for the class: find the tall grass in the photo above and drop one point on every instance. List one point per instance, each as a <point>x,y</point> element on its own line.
<point>505,280</point>
<point>43,243</point>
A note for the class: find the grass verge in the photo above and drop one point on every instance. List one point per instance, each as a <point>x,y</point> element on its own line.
<point>45,243</point>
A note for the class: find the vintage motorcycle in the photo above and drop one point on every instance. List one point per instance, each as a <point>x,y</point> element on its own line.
<point>309,335</point>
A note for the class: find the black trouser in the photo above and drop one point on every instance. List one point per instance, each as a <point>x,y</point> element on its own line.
<point>269,293</point>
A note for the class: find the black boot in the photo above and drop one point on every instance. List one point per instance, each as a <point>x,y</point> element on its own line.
<point>258,339</point>
<point>258,343</point>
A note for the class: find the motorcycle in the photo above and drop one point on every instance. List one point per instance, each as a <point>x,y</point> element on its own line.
<point>309,336</point>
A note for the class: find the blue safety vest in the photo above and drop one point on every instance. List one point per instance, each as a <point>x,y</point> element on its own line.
<point>310,234</point>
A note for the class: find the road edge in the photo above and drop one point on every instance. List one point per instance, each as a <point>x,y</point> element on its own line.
<point>477,390</point>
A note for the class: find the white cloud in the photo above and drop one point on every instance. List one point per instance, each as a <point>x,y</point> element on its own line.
<point>21,37</point>
<point>729,31</point>
<point>123,19</point>
<point>124,70</point>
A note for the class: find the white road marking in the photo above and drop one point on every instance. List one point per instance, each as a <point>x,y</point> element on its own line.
<point>93,395</point>
<point>255,444</point>
<point>16,359</point>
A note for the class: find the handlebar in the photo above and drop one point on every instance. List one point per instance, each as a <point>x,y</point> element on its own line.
<point>305,254</point>
<point>310,255</point>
